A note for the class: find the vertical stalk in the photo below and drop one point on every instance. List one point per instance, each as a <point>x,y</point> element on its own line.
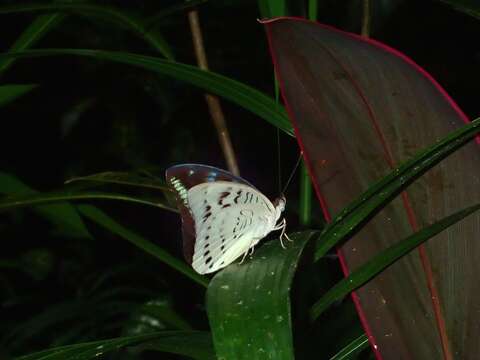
<point>366,18</point>
<point>213,102</point>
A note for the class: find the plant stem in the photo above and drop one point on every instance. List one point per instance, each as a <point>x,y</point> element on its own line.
<point>366,18</point>
<point>212,101</point>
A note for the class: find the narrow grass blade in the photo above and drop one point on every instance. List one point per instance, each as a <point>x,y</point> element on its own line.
<point>168,341</point>
<point>105,12</point>
<point>386,258</point>
<point>15,201</point>
<point>378,195</point>
<point>105,221</point>
<point>353,349</point>
<point>235,91</point>
<point>124,178</point>
<point>469,7</point>
<point>35,31</point>
<point>62,214</point>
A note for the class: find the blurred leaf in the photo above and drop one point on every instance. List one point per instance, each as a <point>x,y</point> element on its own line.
<point>353,349</point>
<point>38,263</point>
<point>125,178</point>
<point>469,7</point>
<point>167,341</point>
<point>235,91</point>
<point>155,315</point>
<point>387,257</point>
<point>10,92</point>
<point>35,31</point>
<point>105,221</point>
<point>106,12</point>
<point>62,214</point>
<point>249,304</point>
<point>15,201</point>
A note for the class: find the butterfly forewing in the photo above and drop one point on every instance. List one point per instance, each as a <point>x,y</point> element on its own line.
<point>185,176</point>
<point>229,219</point>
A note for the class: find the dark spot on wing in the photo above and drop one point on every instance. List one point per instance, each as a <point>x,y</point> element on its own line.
<point>207,208</point>
<point>206,245</point>
<point>208,260</point>
<point>239,193</point>
<point>226,205</point>
<point>206,216</point>
<point>223,195</point>
<point>206,253</point>
<point>222,247</point>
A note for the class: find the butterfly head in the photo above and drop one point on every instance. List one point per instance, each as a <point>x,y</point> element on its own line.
<point>280,203</point>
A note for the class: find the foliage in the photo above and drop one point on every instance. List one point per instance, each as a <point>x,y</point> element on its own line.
<point>112,90</point>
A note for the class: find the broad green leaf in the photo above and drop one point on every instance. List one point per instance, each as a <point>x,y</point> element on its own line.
<point>353,349</point>
<point>62,214</point>
<point>106,12</point>
<point>125,178</point>
<point>15,201</point>
<point>379,194</point>
<point>248,304</point>
<point>105,221</point>
<point>167,341</point>
<point>380,262</point>
<point>235,91</point>
<point>10,92</point>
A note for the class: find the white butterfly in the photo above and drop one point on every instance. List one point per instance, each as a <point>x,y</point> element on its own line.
<point>223,216</point>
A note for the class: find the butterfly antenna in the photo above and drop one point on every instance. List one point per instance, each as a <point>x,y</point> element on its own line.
<point>292,173</point>
<point>279,161</point>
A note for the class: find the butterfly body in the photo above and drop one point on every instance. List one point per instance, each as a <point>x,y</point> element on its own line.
<point>223,216</point>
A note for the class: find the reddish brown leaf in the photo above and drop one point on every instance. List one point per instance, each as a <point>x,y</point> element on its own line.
<point>359,108</point>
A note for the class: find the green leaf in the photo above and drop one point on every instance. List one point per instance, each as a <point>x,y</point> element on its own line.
<point>386,258</point>
<point>353,349</point>
<point>15,201</point>
<point>35,31</point>
<point>235,91</point>
<point>378,195</point>
<point>10,92</point>
<point>168,341</point>
<point>62,214</point>
<point>127,20</point>
<point>249,304</point>
<point>125,178</point>
<point>105,221</point>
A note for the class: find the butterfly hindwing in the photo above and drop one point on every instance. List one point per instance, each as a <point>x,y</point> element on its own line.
<point>229,218</point>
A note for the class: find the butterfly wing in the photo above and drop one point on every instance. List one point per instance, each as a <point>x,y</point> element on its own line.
<point>182,178</point>
<point>229,218</point>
